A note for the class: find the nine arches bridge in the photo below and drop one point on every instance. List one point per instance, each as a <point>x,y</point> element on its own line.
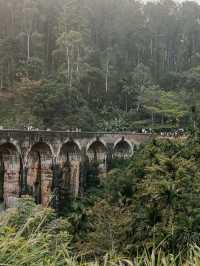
<point>37,163</point>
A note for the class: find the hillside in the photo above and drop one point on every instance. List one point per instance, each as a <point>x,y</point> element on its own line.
<point>99,65</point>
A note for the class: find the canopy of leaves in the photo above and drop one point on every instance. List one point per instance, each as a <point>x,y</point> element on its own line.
<point>154,201</point>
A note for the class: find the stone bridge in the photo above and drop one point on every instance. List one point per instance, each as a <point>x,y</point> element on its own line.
<point>46,163</point>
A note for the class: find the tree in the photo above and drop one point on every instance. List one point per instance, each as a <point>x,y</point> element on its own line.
<point>69,44</point>
<point>30,13</point>
<point>8,62</point>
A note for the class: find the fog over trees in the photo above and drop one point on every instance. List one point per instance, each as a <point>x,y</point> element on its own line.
<point>107,65</point>
<point>100,65</point>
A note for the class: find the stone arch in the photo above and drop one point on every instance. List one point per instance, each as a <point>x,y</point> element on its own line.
<point>13,143</point>
<point>10,173</point>
<point>36,144</point>
<point>123,148</point>
<point>97,150</point>
<point>39,172</point>
<point>71,149</point>
<point>97,154</point>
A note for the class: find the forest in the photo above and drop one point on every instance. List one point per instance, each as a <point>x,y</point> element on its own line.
<point>99,65</point>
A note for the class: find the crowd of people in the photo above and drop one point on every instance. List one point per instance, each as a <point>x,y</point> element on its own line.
<point>174,134</point>
<point>165,132</point>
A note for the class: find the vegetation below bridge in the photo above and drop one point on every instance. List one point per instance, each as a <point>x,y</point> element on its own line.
<point>145,212</point>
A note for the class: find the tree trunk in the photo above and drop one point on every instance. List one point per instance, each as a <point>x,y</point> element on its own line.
<point>152,119</point>
<point>1,82</point>
<point>78,59</point>
<point>68,64</point>
<point>126,103</point>
<point>162,119</point>
<point>28,46</point>
<point>107,73</point>
<point>151,47</point>
<point>70,78</point>
<point>138,107</point>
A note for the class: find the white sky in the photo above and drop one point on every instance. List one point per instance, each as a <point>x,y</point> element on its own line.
<point>179,1</point>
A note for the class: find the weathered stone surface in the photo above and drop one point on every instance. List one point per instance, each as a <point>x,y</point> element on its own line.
<point>75,178</point>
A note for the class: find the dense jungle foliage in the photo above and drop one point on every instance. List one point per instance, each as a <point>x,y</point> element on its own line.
<point>143,213</point>
<point>99,64</point>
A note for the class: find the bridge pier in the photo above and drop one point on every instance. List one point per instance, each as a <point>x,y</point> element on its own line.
<point>56,187</point>
<point>24,185</point>
<point>39,174</point>
<point>9,174</point>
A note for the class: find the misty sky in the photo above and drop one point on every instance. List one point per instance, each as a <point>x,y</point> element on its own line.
<point>179,1</point>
